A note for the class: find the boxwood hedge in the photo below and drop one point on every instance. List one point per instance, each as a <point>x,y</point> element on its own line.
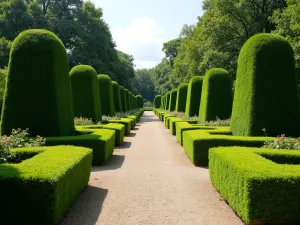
<point>168,96</point>
<point>127,99</point>
<point>216,96</point>
<point>266,89</point>
<point>106,95</point>
<point>261,185</point>
<point>173,97</point>
<point>123,99</point>
<point>117,96</point>
<point>40,189</point>
<point>181,97</point>
<point>85,92</point>
<point>194,96</point>
<point>140,101</point>
<point>157,101</point>
<point>38,90</point>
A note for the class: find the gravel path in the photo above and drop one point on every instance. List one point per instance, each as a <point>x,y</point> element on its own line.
<point>150,180</point>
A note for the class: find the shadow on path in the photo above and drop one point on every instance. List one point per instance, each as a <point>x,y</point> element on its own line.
<point>87,208</point>
<point>115,162</point>
<point>130,135</point>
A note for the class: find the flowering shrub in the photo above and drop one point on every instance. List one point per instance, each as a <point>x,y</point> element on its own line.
<point>283,142</point>
<point>81,121</point>
<point>19,138</point>
<point>118,115</point>
<point>216,122</point>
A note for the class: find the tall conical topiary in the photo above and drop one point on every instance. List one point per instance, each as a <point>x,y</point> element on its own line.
<point>181,97</point>
<point>216,97</point>
<point>106,95</point>
<point>38,90</point>
<point>117,96</point>
<point>85,92</point>
<point>193,96</point>
<point>123,99</point>
<point>266,90</point>
<point>157,101</point>
<point>173,98</point>
<point>140,101</point>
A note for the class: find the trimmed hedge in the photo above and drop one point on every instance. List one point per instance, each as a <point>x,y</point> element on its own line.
<point>266,89</point>
<point>181,97</point>
<point>140,101</point>
<point>118,128</point>
<point>40,189</point>
<point>168,96</point>
<point>259,184</point>
<point>101,141</point>
<point>173,97</point>
<point>194,96</point>
<point>123,99</point>
<point>85,92</point>
<point>157,101</point>
<point>173,122</point>
<point>126,122</point>
<point>106,95</point>
<point>127,99</point>
<point>216,97</point>
<point>38,89</point>
<point>196,143</point>
<point>117,96</point>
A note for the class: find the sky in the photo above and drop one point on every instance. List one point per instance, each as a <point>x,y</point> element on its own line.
<point>140,27</point>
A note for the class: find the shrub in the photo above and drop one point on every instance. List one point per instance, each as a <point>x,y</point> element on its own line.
<point>85,92</point>
<point>126,122</point>
<point>82,121</point>
<point>194,96</point>
<point>283,142</point>
<point>106,95</point>
<point>38,91</point>
<point>117,96</point>
<point>168,96</point>
<point>127,99</point>
<point>181,97</point>
<point>123,99</point>
<point>259,184</point>
<point>157,101</point>
<point>140,101</point>
<point>216,96</point>
<point>45,185</point>
<point>196,143</point>
<point>101,141</point>
<point>266,91</point>
<point>173,96</point>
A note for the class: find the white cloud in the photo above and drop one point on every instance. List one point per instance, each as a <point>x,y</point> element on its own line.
<point>143,39</point>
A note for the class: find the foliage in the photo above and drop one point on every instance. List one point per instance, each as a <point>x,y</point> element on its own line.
<point>140,101</point>
<point>194,96</point>
<point>148,104</point>
<point>143,84</point>
<point>123,99</point>
<point>5,46</point>
<point>170,49</point>
<point>80,121</point>
<point>117,96</point>
<point>85,103</point>
<point>38,90</point>
<point>160,76</point>
<point>106,95</point>
<point>283,142</point>
<point>259,103</point>
<point>216,96</point>
<point>181,97</point>
<point>157,101</point>
<point>173,98</point>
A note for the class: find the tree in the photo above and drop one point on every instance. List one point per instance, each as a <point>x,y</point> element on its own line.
<point>144,84</point>
<point>170,49</point>
<point>4,52</point>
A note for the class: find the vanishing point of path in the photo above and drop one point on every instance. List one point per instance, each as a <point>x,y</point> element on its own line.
<point>150,180</point>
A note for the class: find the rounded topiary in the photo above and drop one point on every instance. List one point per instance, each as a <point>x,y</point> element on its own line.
<point>127,99</point>
<point>157,101</point>
<point>266,91</point>
<point>123,99</point>
<point>168,96</point>
<point>194,96</point>
<point>216,97</point>
<point>85,92</point>
<point>140,101</point>
<point>173,98</point>
<point>106,95</point>
<point>181,97</point>
<point>38,90</point>
<point>117,96</point>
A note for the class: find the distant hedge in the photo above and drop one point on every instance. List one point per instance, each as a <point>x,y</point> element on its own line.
<point>168,96</point>
<point>127,99</point>
<point>181,97</point>
<point>266,89</point>
<point>194,96</point>
<point>106,95</point>
<point>38,90</point>
<point>85,92</point>
<point>123,99</point>
<point>216,97</point>
<point>173,97</point>
<point>140,101</point>
<point>117,96</point>
<point>157,101</point>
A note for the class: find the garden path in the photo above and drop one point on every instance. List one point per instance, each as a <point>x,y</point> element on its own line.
<point>150,180</point>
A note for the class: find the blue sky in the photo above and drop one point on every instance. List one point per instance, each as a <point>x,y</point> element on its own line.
<point>140,27</point>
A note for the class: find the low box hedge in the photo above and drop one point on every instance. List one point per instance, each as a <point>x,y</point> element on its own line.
<point>261,185</point>
<point>102,142</point>
<point>174,121</point>
<point>131,119</point>
<point>40,189</point>
<point>196,143</point>
<point>125,122</point>
<point>118,128</point>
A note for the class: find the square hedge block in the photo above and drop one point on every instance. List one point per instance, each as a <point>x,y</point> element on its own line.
<point>261,185</point>
<point>41,188</point>
<point>174,121</point>
<point>125,122</point>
